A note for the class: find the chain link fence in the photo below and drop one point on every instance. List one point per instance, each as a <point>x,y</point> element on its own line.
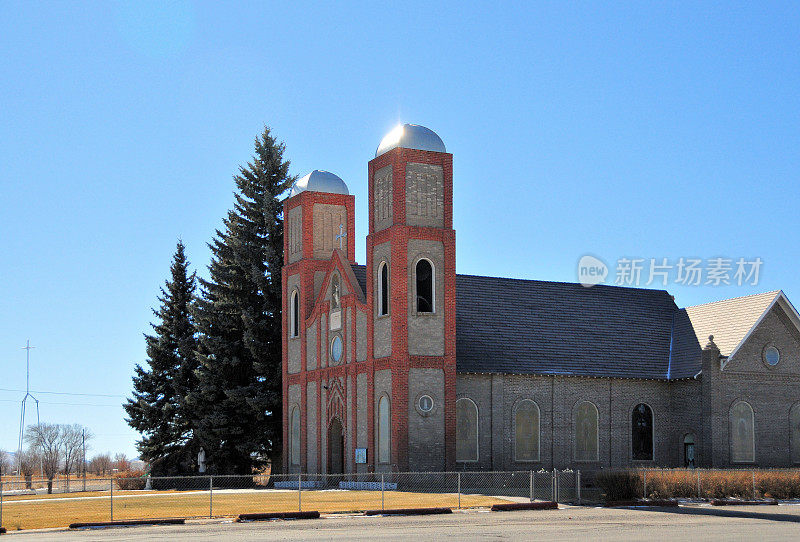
<point>29,505</point>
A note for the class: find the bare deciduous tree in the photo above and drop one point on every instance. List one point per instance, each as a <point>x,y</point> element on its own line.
<point>121,463</point>
<point>28,463</point>
<point>5,463</point>
<point>101,464</point>
<point>46,438</point>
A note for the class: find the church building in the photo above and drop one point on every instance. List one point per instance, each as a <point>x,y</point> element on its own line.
<point>404,365</point>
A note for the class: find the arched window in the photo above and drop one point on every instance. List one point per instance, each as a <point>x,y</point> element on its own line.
<point>742,433</point>
<point>384,430</point>
<point>383,289</point>
<point>294,437</point>
<point>294,314</point>
<point>794,423</point>
<point>466,430</point>
<point>642,433</point>
<point>586,436</point>
<point>526,435</point>
<point>425,288</point>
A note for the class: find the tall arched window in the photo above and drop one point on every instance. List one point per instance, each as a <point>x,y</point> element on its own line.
<point>294,437</point>
<point>294,314</point>
<point>384,430</point>
<point>794,423</point>
<point>425,288</point>
<point>742,433</point>
<point>466,430</point>
<point>526,431</point>
<point>383,289</point>
<point>642,432</point>
<point>586,436</point>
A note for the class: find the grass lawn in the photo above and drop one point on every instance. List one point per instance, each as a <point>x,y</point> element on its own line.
<point>52,511</point>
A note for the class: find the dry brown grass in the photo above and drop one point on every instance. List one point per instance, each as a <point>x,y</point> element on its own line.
<point>50,512</point>
<point>703,484</point>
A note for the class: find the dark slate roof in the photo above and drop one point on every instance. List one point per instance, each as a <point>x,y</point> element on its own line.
<point>360,271</point>
<point>554,328</point>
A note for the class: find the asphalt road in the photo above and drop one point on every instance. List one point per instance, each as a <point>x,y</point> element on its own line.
<point>762,523</point>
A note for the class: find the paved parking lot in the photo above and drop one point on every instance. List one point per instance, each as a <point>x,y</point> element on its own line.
<point>763,523</point>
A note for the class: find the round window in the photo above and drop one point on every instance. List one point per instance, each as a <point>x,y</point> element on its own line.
<point>772,356</point>
<point>425,403</point>
<point>336,349</point>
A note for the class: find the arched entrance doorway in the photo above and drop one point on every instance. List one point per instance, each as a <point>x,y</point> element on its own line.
<point>335,447</point>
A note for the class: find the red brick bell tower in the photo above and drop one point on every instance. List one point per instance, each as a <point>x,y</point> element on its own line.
<point>412,334</point>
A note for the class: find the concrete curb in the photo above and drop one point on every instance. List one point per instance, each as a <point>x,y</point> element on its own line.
<point>733,502</point>
<point>409,512</point>
<point>508,507</point>
<point>128,523</point>
<point>627,504</point>
<point>278,515</point>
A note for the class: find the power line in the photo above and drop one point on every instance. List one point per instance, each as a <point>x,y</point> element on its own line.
<point>64,404</point>
<point>66,393</point>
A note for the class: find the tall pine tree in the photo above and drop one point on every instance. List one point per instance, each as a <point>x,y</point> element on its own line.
<point>158,408</point>
<point>238,398</point>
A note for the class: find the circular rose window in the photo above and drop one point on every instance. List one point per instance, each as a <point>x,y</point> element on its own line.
<point>425,403</point>
<point>772,356</point>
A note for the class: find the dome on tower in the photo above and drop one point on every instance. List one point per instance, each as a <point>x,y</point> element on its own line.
<point>319,181</point>
<point>411,136</point>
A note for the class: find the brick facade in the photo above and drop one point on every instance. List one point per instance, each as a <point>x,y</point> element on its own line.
<point>405,355</point>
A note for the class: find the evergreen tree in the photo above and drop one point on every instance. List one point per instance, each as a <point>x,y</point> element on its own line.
<point>158,408</point>
<point>238,398</point>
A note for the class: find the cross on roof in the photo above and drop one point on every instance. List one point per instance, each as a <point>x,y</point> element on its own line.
<point>341,235</point>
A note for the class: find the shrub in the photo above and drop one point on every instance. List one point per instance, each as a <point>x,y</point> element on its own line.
<point>130,480</point>
<point>619,485</point>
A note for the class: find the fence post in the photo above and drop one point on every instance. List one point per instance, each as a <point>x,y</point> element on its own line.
<point>210,497</point>
<point>555,485</point>
<point>644,495</point>
<point>459,490</point>
<point>383,488</point>
<point>754,485</point>
<point>699,492</point>
<point>112,499</point>
<point>299,492</point>
<point>531,488</point>
<point>578,485</point>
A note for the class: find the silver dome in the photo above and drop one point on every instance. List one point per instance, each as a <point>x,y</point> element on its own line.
<point>411,136</point>
<point>319,181</point>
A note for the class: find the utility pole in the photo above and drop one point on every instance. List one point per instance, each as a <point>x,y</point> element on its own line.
<point>83,441</point>
<point>27,349</point>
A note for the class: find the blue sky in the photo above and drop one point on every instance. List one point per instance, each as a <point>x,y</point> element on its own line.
<point>654,130</point>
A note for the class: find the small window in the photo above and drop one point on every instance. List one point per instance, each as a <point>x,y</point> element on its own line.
<point>466,430</point>
<point>425,403</point>
<point>425,300</point>
<point>742,433</point>
<point>336,349</point>
<point>586,434</point>
<point>294,315</point>
<point>642,433</point>
<point>383,289</point>
<point>772,356</point>
<point>526,431</point>
<point>294,437</point>
<point>384,421</point>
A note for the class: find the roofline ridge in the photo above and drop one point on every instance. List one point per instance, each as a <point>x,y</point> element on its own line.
<point>614,286</point>
<point>774,292</point>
